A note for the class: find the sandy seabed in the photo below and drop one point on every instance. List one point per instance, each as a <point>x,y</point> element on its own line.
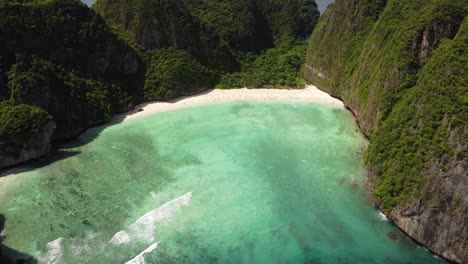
<point>309,94</point>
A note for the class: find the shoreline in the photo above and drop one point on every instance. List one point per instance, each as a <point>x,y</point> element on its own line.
<point>309,94</point>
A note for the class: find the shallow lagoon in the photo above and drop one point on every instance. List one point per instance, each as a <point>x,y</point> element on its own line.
<point>245,182</point>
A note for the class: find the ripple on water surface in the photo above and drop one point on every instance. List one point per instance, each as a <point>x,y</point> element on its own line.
<point>244,182</point>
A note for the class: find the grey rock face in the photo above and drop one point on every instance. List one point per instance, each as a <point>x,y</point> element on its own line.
<point>37,146</point>
<point>439,219</point>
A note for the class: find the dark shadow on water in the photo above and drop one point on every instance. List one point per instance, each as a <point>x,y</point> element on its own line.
<point>9,255</point>
<point>63,149</point>
<point>53,156</point>
<point>91,133</point>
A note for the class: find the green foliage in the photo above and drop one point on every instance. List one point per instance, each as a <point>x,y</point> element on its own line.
<point>232,20</point>
<point>289,20</point>
<point>379,50</point>
<point>26,78</point>
<point>276,67</point>
<point>40,83</point>
<point>68,33</point>
<point>417,133</point>
<point>61,57</point>
<point>395,65</point>
<point>172,73</point>
<point>19,122</point>
<point>247,25</point>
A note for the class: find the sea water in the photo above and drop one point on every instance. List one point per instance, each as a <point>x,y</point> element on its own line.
<point>244,182</point>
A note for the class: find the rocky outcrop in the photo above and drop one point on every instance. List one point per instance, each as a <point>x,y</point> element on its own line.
<point>439,219</point>
<point>37,146</point>
<point>160,24</point>
<point>401,67</point>
<point>211,30</point>
<point>62,57</point>
<point>69,34</point>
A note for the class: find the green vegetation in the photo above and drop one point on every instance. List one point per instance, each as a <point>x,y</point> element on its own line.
<point>252,25</point>
<point>40,83</point>
<point>61,57</point>
<point>18,123</point>
<point>289,19</point>
<point>421,129</point>
<point>238,23</point>
<point>276,67</point>
<point>81,66</point>
<point>172,73</point>
<point>264,39</point>
<point>67,33</point>
<point>397,67</point>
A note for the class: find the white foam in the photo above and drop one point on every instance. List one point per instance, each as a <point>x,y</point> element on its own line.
<point>54,254</point>
<point>121,237</point>
<point>85,247</point>
<point>382,216</point>
<point>140,258</point>
<point>143,228</point>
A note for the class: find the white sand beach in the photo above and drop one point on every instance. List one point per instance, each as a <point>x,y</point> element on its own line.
<point>309,94</point>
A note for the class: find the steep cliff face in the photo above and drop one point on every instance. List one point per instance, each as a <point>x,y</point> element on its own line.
<point>35,147</point>
<point>61,57</point>
<point>25,133</point>
<point>239,23</point>
<point>401,66</point>
<point>435,112</point>
<point>67,33</point>
<point>74,100</point>
<point>161,24</point>
<point>211,30</point>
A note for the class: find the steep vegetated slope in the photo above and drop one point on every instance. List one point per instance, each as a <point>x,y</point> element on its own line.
<point>60,66</point>
<point>158,24</point>
<point>224,36</point>
<point>402,67</point>
<point>63,68</point>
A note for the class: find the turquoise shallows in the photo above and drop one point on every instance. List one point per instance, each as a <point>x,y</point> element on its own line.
<point>244,182</point>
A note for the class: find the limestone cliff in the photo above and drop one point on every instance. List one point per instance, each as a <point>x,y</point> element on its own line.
<point>59,57</point>
<point>160,24</point>
<point>35,147</point>
<point>25,133</point>
<point>69,34</point>
<point>212,31</point>
<point>401,67</point>
<point>64,58</point>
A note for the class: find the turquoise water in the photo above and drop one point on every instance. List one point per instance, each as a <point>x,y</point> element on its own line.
<point>244,182</point>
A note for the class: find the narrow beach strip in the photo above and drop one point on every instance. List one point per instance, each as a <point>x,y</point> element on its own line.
<point>309,94</point>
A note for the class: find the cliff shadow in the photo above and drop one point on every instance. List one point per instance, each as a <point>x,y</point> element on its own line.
<point>54,155</point>
<point>64,149</point>
<point>10,255</point>
<point>91,133</point>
